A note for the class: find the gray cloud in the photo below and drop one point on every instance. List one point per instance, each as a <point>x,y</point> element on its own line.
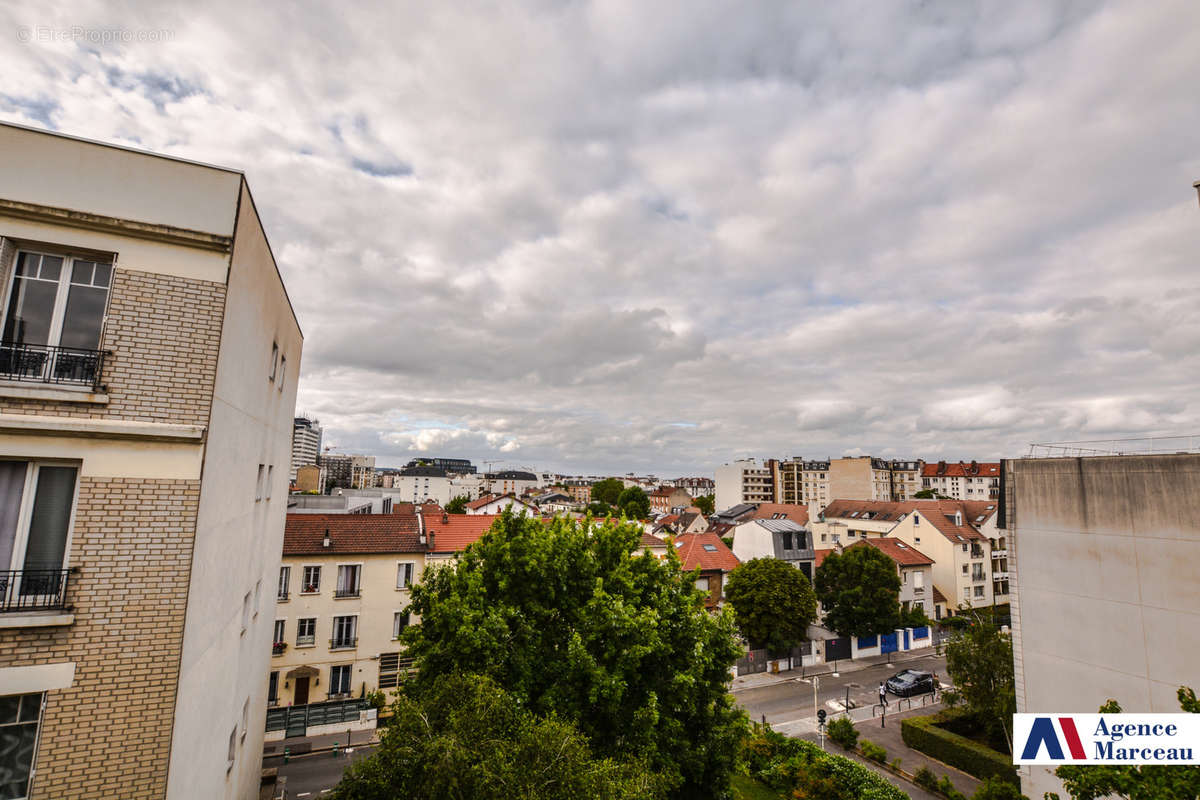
<point>612,236</point>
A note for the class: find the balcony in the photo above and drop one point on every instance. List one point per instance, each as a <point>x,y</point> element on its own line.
<point>1002,553</point>
<point>277,648</point>
<point>344,643</point>
<point>978,577</point>
<point>306,641</point>
<point>341,594</point>
<point>39,363</point>
<point>23,590</point>
<point>999,575</point>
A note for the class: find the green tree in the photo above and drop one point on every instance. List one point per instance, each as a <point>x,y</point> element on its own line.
<point>995,788</point>
<point>1134,782</point>
<point>607,491</point>
<point>572,622</point>
<point>457,504</point>
<point>705,503</point>
<point>634,503</point>
<point>466,737</point>
<point>980,661</point>
<point>929,494</point>
<point>599,510</point>
<point>772,601</point>
<point>860,590</point>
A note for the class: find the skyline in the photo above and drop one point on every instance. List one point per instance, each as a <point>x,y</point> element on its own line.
<point>600,237</point>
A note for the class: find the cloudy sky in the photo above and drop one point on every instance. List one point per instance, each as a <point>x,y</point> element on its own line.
<point>621,236</point>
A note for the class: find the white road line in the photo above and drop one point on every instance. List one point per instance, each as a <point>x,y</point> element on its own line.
<point>303,794</point>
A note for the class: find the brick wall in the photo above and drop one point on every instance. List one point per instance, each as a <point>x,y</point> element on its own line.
<point>109,735</point>
<point>165,333</point>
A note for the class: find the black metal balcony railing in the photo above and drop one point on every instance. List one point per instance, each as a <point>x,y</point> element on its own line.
<point>343,642</point>
<point>277,648</point>
<point>39,363</point>
<point>346,592</point>
<point>282,596</point>
<point>303,641</point>
<point>33,589</point>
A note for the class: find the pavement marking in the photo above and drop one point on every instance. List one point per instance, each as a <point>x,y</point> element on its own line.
<point>303,794</point>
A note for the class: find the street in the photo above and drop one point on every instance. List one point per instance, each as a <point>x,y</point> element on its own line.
<point>310,776</point>
<point>789,702</point>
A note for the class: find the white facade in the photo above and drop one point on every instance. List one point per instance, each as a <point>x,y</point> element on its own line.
<point>501,504</point>
<point>743,481</point>
<point>962,568</point>
<point>306,444</point>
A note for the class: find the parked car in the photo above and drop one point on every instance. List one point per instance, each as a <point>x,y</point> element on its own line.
<point>909,682</point>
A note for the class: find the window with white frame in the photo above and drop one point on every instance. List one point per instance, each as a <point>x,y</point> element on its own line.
<point>57,301</point>
<point>339,679</point>
<point>285,578</point>
<point>306,631</point>
<point>37,500</point>
<point>399,622</point>
<point>979,591</point>
<point>312,580</point>
<point>279,627</point>
<point>404,574</point>
<point>348,580</point>
<point>20,715</point>
<point>344,632</point>
<point>918,580</point>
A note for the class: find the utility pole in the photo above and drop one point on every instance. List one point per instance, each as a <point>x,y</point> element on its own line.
<point>816,683</point>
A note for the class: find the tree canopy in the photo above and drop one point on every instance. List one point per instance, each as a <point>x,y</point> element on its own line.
<point>929,494</point>
<point>634,503</point>
<point>980,661</point>
<point>607,491</point>
<point>705,503</point>
<point>570,621</point>
<point>772,601</point>
<point>465,737</point>
<point>1154,782</point>
<point>457,504</point>
<point>860,590</point>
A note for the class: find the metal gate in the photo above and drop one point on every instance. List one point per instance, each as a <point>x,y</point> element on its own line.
<point>294,720</point>
<point>887,643</point>
<point>754,661</point>
<point>837,649</point>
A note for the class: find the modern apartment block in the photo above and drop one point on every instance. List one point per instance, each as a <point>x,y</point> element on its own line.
<point>348,471</point>
<point>963,481</point>
<point>1104,554</point>
<point>147,388</point>
<point>743,481</point>
<point>306,443</point>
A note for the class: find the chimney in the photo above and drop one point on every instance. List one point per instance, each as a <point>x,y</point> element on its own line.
<point>431,547</point>
<point>445,518</point>
<point>326,541</point>
<point>420,526</point>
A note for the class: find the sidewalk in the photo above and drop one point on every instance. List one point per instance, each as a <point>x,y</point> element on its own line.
<point>889,738</point>
<point>742,682</point>
<point>303,745</point>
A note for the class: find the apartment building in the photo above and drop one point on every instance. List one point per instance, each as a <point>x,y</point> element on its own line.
<point>860,477</point>
<point>341,601</point>
<point>743,481</point>
<point>306,443</point>
<point>510,481</point>
<point>906,479</point>
<point>696,487</point>
<point>957,535</point>
<point>1105,554</point>
<point>147,389</point>
<point>665,499</point>
<point>963,481</point>
<point>580,489</point>
<point>348,471</point>
<point>850,521</point>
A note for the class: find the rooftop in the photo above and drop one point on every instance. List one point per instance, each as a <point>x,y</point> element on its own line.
<point>898,551</point>
<point>304,534</point>
<point>705,551</point>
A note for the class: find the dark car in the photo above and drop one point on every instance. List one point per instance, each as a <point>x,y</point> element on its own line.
<point>909,682</point>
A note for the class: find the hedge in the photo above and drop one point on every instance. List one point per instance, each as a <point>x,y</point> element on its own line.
<point>922,733</point>
<point>781,763</point>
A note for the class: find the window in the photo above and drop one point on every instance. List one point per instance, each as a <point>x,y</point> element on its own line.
<point>273,688</point>
<point>347,580</point>
<point>274,361</point>
<point>389,670</point>
<point>339,679</point>
<point>270,477</point>
<point>57,301</point>
<point>36,502</point>
<point>852,534</point>
<point>245,612</point>
<point>258,485</point>
<point>703,585</point>
<point>19,718</point>
<point>964,547</point>
<point>282,371</point>
<point>279,626</point>
<point>787,541</point>
<point>918,580</point>
<point>232,749</point>
<point>306,631</point>
<point>344,629</point>
<point>285,578</point>
<point>966,593</point>
<point>245,717</point>
<point>979,591</point>
<point>257,596</point>
<point>404,575</point>
<point>917,539</point>
<point>399,623</point>
<point>710,548</point>
<point>312,580</point>
<point>964,569</point>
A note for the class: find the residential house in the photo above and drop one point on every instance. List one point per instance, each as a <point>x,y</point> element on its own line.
<point>148,370</point>
<point>957,535</point>
<point>448,535</point>
<point>554,502</point>
<point>511,481</point>
<point>666,499</point>
<point>963,481</point>
<point>714,561</point>
<point>796,513</point>
<point>580,490</point>
<point>849,521</point>
<point>341,602</point>
<point>492,504</point>
<point>775,538</point>
<point>735,514</point>
<point>915,570</point>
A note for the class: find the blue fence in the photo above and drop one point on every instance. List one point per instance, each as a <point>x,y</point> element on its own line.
<point>867,641</point>
<point>921,633</point>
<point>887,643</point>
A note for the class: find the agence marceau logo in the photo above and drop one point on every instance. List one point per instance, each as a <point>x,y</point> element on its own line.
<point>1106,738</point>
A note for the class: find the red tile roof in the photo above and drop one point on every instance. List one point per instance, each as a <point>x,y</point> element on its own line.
<point>938,597</point>
<point>961,469</point>
<point>706,552</point>
<point>457,532</point>
<point>820,556</point>
<point>875,510</point>
<point>304,534</point>
<point>796,513</point>
<point>939,512</point>
<point>650,540</point>
<point>481,502</point>
<point>901,553</point>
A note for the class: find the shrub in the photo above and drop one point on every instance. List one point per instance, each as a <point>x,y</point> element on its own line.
<point>790,765</point>
<point>894,764</point>
<point>996,789</point>
<point>946,789</point>
<point>923,734</point>
<point>926,779</point>
<point>873,751</point>
<point>842,731</point>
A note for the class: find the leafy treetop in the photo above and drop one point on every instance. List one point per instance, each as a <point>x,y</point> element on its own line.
<point>607,491</point>
<point>860,589</point>
<point>634,503</point>
<point>457,504</point>
<point>772,601</point>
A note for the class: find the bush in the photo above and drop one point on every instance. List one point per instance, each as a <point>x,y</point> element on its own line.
<point>946,789</point>
<point>791,765</point>
<point>894,764</point>
<point>926,779</point>
<point>996,789</point>
<point>923,734</point>
<point>842,731</point>
<point>873,751</point>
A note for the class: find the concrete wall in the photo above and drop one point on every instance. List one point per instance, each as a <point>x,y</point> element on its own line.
<point>238,537</point>
<point>1106,553</point>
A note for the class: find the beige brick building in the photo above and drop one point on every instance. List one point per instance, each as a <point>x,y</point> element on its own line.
<point>148,371</point>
